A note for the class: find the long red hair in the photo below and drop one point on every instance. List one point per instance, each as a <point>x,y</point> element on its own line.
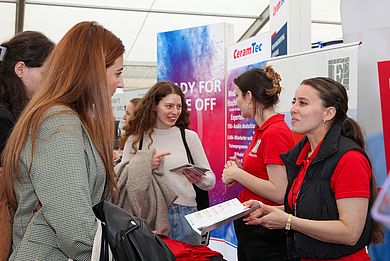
<point>74,76</point>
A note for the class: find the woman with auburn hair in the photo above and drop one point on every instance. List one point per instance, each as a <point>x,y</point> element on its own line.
<point>59,155</point>
<point>156,125</point>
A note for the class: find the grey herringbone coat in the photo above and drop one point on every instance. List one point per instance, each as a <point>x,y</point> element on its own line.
<point>67,177</point>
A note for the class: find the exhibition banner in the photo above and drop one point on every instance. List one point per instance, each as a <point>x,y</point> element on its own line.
<point>194,58</point>
<point>248,52</point>
<point>338,63</point>
<point>290,26</point>
<point>239,131</point>
<point>384,87</point>
<point>241,57</point>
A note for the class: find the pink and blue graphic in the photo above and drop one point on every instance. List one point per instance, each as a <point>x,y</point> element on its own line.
<point>239,131</point>
<point>194,58</point>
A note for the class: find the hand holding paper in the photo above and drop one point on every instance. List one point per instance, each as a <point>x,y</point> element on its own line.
<point>210,218</point>
<point>270,217</point>
<point>195,170</point>
<point>192,176</point>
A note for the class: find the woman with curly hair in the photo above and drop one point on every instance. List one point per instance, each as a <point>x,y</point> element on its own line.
<point>156,125</point>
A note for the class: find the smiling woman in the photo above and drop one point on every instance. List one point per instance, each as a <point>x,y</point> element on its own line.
<point>156,126</point>
<point>330,183</point>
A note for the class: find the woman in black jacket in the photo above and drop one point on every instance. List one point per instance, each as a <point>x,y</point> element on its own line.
<point>21,63</point>
<point>330,183</point>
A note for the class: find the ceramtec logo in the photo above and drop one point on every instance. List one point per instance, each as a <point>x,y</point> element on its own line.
<point>252,49</point>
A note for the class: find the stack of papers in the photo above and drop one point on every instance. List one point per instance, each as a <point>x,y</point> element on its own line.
<point>210,218</point>
<point>190,167</point>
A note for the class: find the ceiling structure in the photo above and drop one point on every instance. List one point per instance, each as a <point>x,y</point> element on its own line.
<point>137,23</point>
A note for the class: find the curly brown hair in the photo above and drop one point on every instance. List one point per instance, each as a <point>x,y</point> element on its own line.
<point>145,115</point>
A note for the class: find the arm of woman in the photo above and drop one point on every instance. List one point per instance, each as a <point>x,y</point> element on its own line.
<point>347,230</point>
<point>206,182</point>
<point>350,183</point>
<point>272,189</point>
<point>61,181</point>
<point>274,142</point>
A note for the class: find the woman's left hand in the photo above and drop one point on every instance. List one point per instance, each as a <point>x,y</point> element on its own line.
<point>191,176</point>
<point>229,172</point>
<point>271,217</point>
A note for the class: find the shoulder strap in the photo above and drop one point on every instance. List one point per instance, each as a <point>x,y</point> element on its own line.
<point>141,142</point>
<point>183,137</point>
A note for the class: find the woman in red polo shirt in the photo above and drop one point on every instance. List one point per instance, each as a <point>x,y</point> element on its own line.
<point>331,186</point>
<point>262,173</point>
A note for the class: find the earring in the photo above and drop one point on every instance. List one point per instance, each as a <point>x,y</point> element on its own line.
<point>324,121</point>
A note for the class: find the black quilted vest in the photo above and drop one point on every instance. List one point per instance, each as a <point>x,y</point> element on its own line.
<point>316,200</point>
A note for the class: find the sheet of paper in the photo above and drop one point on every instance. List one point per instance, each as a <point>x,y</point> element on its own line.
<point>210,218</point>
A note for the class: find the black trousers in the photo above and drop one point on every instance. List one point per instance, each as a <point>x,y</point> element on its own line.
<point>258,243</point>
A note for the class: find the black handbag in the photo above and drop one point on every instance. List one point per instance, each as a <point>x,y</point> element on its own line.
<point>129,238</point>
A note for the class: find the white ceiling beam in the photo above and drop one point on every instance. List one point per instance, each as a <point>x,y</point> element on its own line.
<point>256,26</point>
<point>144,10</point>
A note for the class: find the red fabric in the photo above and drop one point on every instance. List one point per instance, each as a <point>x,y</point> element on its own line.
<point>187,252</point>
<point>351,178</point>
<point>304,162</point>
<point>269,141</point>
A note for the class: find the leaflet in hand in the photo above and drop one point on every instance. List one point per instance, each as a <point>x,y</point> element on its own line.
<point>210,218</point>
<point>193,168</point>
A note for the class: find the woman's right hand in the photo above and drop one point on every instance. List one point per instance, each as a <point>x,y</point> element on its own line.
<point>157,158</point>
<point>237,161</point>
<point>258,211</point>
<point>267,216</point>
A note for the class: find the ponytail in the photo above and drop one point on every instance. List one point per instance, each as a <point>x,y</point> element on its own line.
<point>377,234</point>
<point>352,130</point>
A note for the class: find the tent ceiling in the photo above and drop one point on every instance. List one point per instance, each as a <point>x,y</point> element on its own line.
<point>137,22</point>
